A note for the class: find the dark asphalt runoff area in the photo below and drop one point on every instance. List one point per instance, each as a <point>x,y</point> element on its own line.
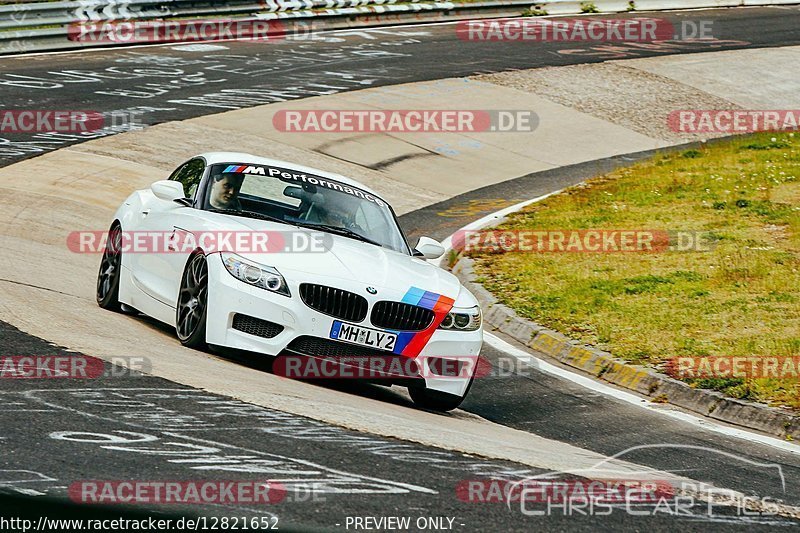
<point>58,432</point>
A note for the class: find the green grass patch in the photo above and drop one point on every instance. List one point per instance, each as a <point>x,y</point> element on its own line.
<point>739,298</point>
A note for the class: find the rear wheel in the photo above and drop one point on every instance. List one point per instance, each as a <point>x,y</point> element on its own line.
<point>193,303</point>
<point>107,293</point>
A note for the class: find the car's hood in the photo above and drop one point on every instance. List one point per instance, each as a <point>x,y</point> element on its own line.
<point>351,260</point>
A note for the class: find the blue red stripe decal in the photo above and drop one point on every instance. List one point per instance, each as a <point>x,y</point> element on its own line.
<point>411,343</point>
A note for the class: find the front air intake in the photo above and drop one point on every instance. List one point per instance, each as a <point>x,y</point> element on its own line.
<point>256,326</point>
<point>400,316</point>
<point>334,302</point>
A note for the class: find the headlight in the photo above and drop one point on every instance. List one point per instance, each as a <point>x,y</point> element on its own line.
<point>263,276</point>
<point>462,319</point>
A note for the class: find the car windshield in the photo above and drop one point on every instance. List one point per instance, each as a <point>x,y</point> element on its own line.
<point>303,199</point>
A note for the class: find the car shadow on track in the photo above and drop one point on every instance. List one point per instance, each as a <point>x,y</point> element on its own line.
<point>264,363</point>
<point>395,395</point>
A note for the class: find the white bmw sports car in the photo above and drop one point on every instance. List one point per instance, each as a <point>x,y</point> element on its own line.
<point>254,254</point>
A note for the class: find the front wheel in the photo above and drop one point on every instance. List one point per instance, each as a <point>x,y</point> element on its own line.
<point>193,303</point>
<point>437,400</point>
<point>107,293</point>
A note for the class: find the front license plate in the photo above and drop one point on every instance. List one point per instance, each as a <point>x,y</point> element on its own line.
<point>374,338</point>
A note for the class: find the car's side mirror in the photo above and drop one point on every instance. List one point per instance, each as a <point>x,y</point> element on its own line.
<point>167,190</point>
<point>429,248</point>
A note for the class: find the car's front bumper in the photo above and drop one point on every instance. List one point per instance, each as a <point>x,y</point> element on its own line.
<point>228,296</point>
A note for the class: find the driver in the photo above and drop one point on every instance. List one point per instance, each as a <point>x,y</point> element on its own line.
<point>225,191</point>
<point>338,210</point>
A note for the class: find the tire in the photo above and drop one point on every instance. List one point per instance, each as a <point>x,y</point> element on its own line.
<point>107,291</point>
<point>437,400</point>
<point>192,307</point>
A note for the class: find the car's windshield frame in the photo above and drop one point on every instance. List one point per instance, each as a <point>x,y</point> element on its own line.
<point>398,243</point>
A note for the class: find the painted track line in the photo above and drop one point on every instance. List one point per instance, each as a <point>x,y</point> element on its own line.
<point>628,397</point>
<point>488,220</point>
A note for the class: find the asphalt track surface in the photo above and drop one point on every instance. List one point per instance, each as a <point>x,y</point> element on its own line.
<point>365,475</point>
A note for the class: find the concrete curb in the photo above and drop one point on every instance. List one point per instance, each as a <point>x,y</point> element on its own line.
<point>602,365</point>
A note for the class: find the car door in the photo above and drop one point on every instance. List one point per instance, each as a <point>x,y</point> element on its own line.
<point>158,272</point>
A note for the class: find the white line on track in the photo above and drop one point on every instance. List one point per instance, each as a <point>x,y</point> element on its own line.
<point>633,399</point>
<point>488,220</point>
